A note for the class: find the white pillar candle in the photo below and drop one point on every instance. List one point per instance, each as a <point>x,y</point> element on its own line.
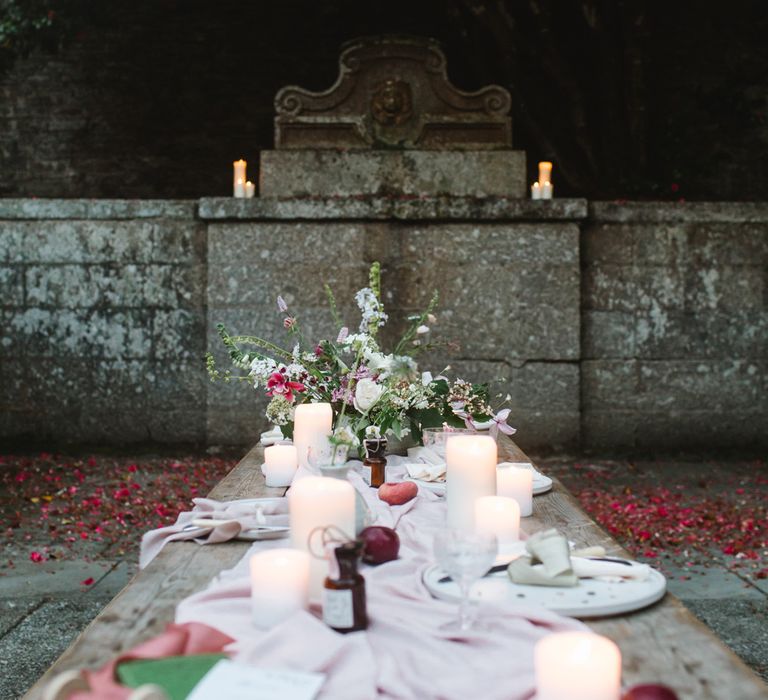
<point>545,172</point>
<point>319,501</point>
<point>535,191</point>
<point>471,474</point>
<point>239,177</point>
<point>547,190</point>
<point>279,585</point>
<point>499,516</point>
<point>311,428</point>
<point>516,482</point>
<point>250,190</point>
<point>280,464</point>
<point>577,666</point>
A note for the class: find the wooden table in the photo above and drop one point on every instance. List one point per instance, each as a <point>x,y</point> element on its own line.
<point>664,643</point>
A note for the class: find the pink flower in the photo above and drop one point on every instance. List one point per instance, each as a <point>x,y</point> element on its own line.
<point>289,322</point>
<point>500,424</point>
<point>278,385</point>
<point>36,557</point>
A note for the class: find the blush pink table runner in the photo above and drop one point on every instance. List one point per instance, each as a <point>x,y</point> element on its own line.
<point>403,654</point>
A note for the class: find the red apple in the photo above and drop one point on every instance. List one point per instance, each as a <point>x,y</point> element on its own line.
<point>398,493</point>
<point>380,544</point>
<point>649,691</point>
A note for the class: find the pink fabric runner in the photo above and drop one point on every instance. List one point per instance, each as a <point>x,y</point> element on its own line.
<point>177,640</point>
<point>403,654</point>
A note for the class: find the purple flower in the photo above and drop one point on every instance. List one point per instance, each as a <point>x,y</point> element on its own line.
<point>343,333</point>
<point>282,307</point>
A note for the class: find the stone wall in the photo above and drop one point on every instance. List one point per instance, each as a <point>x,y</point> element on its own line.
<point>634,327</point>
<point>102,322</point>
<point>675,327</point>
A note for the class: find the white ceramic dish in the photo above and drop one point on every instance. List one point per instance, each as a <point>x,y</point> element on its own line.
<point>590,598</point>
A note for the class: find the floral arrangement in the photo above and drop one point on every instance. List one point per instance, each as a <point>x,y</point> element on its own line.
<point>372,393</point>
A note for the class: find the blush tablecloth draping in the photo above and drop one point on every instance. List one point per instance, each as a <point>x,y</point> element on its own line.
<point>404,653</point>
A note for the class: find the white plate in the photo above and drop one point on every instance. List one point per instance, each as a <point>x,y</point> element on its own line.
<point>541,483</point>
<point>590,598</point>
<point>437,487</point>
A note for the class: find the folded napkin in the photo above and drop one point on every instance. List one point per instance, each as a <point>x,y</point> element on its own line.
<point>549,562</point>
<point>425,464</point>
<point>227,520</point>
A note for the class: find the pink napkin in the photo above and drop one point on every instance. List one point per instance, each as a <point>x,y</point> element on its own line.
<point>404,653</point>
<point>177,640</point>
<point>244,514</point>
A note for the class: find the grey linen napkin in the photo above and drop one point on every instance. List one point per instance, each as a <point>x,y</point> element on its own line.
<point>548,562</point>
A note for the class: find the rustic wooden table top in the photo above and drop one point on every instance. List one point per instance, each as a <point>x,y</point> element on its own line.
<point>663,643</point>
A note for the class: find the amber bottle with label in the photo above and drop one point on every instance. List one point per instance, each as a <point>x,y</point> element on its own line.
<point>344,591</point>
<point>375,459</point>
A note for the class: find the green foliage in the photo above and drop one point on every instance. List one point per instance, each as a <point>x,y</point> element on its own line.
<point>25,25</point>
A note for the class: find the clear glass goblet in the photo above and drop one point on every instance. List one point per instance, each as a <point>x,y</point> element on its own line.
<point>465,557</point>
<point>435,438</point>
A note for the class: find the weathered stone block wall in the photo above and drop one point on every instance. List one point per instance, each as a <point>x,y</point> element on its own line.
<point>102,321</point>
<point>643,327</point>
<point>508,284</point>
<point>675,327</point>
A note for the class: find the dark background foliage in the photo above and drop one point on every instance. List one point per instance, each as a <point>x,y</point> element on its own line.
<point>630,98</point>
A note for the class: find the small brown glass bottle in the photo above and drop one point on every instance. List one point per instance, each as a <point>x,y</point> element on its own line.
<point>344,597</point>
<point>375,459</point>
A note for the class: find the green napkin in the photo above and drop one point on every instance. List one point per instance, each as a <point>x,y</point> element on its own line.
<point>176,675</point>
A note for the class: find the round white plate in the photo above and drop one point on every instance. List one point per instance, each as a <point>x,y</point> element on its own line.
<point>437,487</point>
<point>590,598</point>
<point>260,501</point>
<point>541,483</point>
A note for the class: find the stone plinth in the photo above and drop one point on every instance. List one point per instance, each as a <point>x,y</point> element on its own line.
<point>315,172</point>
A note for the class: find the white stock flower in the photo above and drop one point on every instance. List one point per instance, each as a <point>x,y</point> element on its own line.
<point>367,393</point>
<point>421,330</point>
<point>426,378</point>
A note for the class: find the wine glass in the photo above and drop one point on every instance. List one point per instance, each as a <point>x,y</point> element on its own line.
<point>435,438</point>
<point>465,557</point>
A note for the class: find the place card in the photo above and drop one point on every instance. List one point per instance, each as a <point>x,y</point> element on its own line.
<point>236,681</point>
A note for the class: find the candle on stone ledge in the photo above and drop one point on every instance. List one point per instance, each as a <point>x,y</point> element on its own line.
<point>250,190</point>
<point>311,428</point>
<point>316,502</point>
<point>545,172</point>
<point>279,585</point>
<point>280,464</point>
<point>471,474</point>
<point>535,191</point>
<point>498,516</point>
<point>516,482</point>
<point>577,666</point>
<point>239,178</point>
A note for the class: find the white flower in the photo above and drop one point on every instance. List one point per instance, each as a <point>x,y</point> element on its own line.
<point>421,330</point>
<point>367,393</point>
<point>372,432</point>
<point>426,378</point>
<point>261,368</point>
<point>378,362</point>
<point>431,318</point>
<point>371,310</point>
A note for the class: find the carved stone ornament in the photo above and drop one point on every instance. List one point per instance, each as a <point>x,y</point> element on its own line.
<point>393,92</point>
